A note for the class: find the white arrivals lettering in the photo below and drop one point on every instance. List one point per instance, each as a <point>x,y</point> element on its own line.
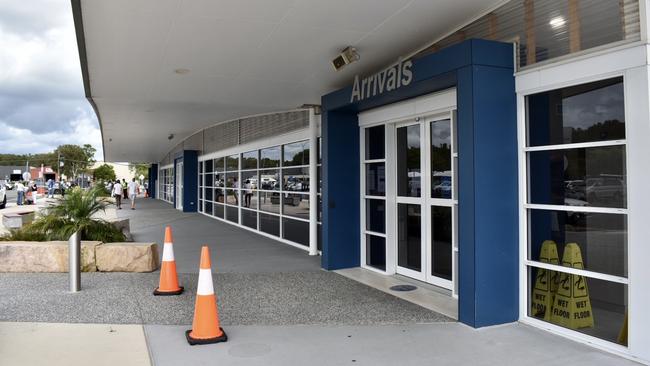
<point>384,81</point>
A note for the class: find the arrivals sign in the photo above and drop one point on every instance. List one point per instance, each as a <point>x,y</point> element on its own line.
<point>386,80</point>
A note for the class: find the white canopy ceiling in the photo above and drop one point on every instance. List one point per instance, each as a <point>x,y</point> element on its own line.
<point>244,57</point>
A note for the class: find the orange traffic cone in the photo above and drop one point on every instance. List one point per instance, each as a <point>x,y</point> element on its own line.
<point>168,278</point>
<point>205,326</point>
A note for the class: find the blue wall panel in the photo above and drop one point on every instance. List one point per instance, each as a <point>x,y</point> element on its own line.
<point>340,150</point>
<point>153,176</point>
<point>190,180</point>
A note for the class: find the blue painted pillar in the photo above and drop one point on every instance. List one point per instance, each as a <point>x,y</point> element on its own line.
<point>153,177</point>
<point>488,196</point>
<point>190,180</point>
<point>340,150</point>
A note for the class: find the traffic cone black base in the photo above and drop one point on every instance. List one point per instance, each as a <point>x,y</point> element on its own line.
<point>195,341</point>
<point>167,293</point>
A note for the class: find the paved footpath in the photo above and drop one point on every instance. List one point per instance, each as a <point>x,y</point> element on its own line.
<point>276,305</point>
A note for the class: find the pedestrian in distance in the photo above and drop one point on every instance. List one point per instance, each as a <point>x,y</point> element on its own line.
<point>125,190</point>
<point>50,188</point>
<point>117,194</point>
<point>133,192</point>
<point>20,191</point>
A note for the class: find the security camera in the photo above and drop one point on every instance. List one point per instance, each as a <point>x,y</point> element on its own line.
<point>171,136</point>
<point>347,56</point>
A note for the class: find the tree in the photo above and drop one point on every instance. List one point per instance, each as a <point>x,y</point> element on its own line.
<point>76,159</point>
<point>139,169</point>
<point>104,172</point>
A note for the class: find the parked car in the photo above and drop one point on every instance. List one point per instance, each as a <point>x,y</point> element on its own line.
<point>3,197</point>
<point>8,185</point>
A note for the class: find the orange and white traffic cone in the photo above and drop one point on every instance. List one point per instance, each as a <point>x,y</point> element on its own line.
<point>168,284</point>
<point>205,326</point>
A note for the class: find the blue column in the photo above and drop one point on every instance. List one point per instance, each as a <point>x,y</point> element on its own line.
<point>190,180</point>
<point>153,176</point>
<point>488,223</point>
<point>340,149</point>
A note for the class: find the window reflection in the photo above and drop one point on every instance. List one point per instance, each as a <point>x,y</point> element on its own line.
<point>270,180</point>
<point>579,177</point>
<point>583,113</point>
<point>296,153</point>
<point>249,160</point>
<point>295,179</point>
<point>270,157</point>
<point>408,161</point>
<point>441,181</point>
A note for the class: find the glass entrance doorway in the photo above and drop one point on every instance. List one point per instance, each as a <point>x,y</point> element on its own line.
<point>425,200</point>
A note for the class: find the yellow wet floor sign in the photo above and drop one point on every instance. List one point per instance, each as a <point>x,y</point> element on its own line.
<point>545,282</point>
<point>572,307</point>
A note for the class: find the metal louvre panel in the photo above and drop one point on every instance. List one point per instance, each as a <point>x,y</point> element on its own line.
<point>194,142</point>
<point>221,136</point>
<point>178,149</point>
<point>554,28</point>
<point>259,127</point>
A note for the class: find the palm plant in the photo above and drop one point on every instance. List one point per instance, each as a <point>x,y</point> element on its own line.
<point>76,212</point>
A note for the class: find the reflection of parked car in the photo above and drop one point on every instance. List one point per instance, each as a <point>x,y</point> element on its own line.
<point>575,189</point>
<point>289,199</point>
<point>605,189</point>
<point>442,190</point>
<point>268,183</point>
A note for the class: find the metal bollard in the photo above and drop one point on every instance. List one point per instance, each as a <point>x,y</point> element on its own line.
<point>74,245</point>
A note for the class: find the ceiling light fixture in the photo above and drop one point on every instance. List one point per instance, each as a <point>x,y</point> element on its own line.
<point>171,136</point>
<point>182,71</point>
<point>557,22</point>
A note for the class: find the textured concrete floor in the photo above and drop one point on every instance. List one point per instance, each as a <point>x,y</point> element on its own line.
<point>296,298</point>
<point>54,344</point>
<point>389,345</point>
<point>233,249</point>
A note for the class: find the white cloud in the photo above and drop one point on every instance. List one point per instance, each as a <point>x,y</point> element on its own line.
<point>42,102</point>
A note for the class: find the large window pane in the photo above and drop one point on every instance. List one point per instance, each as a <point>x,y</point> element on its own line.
<point>232,197</point>
<point>232,162</point>
<point>587,305</point>
<point>441,181</point>
<point>232,214</point>
<point>296,153</point>
<point>207,207</point>
<point>376,215</point>
<point>270,224</point>
<point>220,165</point>
<point>218,210</point>
<point>295,179</point>
<point>270,157</point>
<point>375,143</point>
<point>602,238</point>
<point>220,180</point>
<point>249,177</point>
<point>441,241</point>
<point>376,252</point>
<point>376,179</point>
<point>249,218</point>
<point>270,180</point>
<point>219,195</point>
<point>296,231</point>
<point>408,161</point>
<point>208,194</point>
<point>249,198</point>
<point>270,202</point>
<point>208,179</point>
<point>409,238</point>
<point>592,176</point>
<point>208,166</point>
<point>249,160</point>
<point>232,180</point>
<point>583,113</point>
<point>295,204</point>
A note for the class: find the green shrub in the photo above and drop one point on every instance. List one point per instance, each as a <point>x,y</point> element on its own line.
<point>70,214</point>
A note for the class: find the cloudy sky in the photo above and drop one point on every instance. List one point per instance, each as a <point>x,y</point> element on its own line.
<point>42,103</point>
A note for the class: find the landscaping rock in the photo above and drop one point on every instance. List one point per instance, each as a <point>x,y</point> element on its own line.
<point>124,226</point>
<point>49,256</point>
<point>127,257</point>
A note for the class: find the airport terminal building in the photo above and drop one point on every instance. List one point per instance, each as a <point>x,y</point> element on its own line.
<point>495,150</point>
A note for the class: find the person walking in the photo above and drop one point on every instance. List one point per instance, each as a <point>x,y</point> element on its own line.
<point>125,190</point>
<point>133,191</point>
<point>50,188</point>
<point>248,193</point>
<point>20,191</point>
<point>117,193</point>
